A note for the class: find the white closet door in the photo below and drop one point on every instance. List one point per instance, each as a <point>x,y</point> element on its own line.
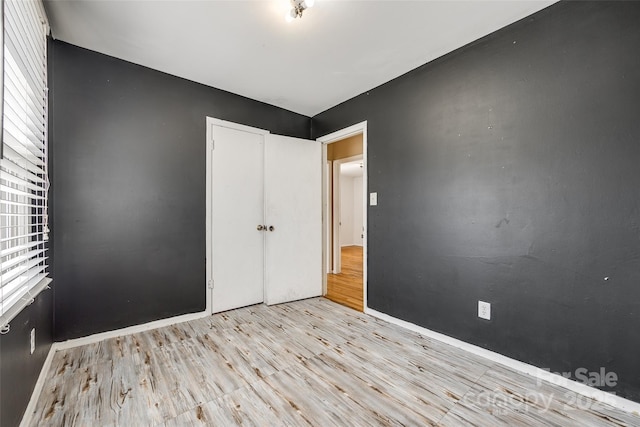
<point>237,210</point>
<point>293,191</point>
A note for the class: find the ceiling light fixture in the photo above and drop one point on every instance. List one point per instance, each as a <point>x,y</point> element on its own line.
<point>297,7</point>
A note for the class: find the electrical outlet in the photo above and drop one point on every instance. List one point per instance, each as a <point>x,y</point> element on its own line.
<point>32,340</point>
<point>484,310</point>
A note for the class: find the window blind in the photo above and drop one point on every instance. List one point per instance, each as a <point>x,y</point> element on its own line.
<point>24,182</point>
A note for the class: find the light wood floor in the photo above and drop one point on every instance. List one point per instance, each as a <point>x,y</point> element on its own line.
<point>346,288</point>
<point>310,362</point>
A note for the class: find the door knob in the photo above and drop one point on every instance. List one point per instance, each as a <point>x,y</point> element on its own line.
<point>261,227</point>
<point>271,228</point>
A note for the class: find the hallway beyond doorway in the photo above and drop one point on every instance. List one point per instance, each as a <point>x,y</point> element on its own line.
<point>346,288</point>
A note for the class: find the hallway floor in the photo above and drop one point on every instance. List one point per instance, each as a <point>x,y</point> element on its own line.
<point>346,288</point>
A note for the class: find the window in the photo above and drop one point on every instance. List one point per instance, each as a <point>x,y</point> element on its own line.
<point>23,164</point>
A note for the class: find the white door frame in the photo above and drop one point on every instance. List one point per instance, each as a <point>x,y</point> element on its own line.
<point>328,216</point>
<point>358,128</point>
<point>336,211</point>
<point>211,122</point>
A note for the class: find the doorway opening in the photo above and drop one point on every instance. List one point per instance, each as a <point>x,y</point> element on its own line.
<point>344,236</point>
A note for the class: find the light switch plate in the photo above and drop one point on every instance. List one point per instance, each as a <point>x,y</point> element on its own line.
<point>32,340</point>
<point>373,199</point>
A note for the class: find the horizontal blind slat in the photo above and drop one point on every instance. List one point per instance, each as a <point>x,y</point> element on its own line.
<point>23,136</point>
<point>20,270</point>
<point>19,259</point>
<point>9,166</point>
<point>18,85</point>
<point>15,88</point>
<point>5,228</point>
<point>12,52</point>
<point>18,192</point>
<point>7,239</point>
<point>10,307</point>
<point>21,286</point>
<point>15,83</point>
<point>18,158</point>
<point>20,181</point>
<point>31,125</point>
<point>15,249</point>
<point>21,204</point>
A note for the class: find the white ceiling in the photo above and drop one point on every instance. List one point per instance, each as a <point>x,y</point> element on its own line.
<point>353,169</point>
<point>339,49</point>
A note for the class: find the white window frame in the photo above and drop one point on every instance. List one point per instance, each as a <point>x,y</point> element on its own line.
<point>24,182</point>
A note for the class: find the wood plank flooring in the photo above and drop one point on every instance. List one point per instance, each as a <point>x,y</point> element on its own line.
<point>310,362</point>
<point>346,288</point>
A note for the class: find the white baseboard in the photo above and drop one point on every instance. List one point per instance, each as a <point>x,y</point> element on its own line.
<point>37,390</point>
<point>28,414</point>
<point>91,339</point>
<point>582,389</point>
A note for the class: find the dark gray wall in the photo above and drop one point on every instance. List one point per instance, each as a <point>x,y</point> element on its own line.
<point>508,171</point>
<point>19,369</point>
<point>128,173</point>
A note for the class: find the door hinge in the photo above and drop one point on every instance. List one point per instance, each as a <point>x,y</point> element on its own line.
<point>213,144</point>
<point>210,284</point>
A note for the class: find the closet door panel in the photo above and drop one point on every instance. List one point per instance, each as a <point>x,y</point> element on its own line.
<point>293,215</point>
<point>237,211</point>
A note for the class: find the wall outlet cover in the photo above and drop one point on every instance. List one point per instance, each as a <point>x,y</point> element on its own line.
<point>484,310</point>
<point>373,199</point>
